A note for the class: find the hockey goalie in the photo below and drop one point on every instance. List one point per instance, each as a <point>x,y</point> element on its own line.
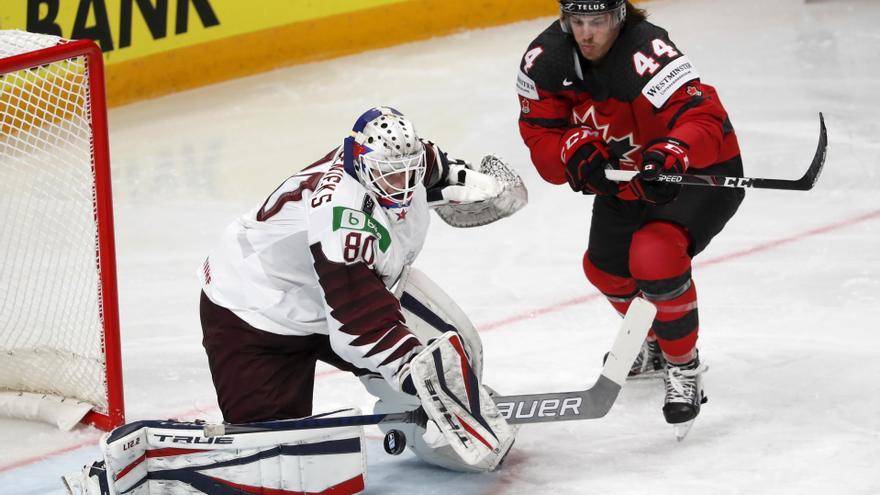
<point>321,271</point>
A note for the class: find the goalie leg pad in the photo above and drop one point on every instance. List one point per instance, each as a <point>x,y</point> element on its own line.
<point>155,457</point>
<point>429,312</point>
<point>457,403</point>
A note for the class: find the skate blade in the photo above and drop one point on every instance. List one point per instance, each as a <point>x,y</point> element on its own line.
<point>648,375</point>
<point>682,429</point>
<point>72,486</point>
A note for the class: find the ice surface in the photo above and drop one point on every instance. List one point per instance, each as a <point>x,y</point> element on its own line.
<point>789,292</point>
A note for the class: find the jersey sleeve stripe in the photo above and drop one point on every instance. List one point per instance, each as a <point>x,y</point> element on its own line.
<point>347,288</point>
<point>402,350</point>
<point>694,102</point>
<point>391,338</point>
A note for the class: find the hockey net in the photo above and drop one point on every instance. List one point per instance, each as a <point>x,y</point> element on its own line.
<point>59,326</point>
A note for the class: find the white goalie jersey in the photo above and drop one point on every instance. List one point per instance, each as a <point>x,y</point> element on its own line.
<point>319,257</point>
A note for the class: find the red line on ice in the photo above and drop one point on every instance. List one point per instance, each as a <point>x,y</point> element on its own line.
<point>536,312</point>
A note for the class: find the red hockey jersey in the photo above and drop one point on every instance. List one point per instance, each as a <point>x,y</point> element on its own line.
<point>642,90</point>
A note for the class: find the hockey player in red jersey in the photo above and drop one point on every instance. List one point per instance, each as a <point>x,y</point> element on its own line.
<point>603,88</point>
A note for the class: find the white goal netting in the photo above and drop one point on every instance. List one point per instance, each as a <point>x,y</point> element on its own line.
<point>51,316</point>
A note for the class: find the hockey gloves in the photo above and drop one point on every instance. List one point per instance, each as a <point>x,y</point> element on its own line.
<point>664,156</point>
<point>461,183</point>
<point>586,156</point>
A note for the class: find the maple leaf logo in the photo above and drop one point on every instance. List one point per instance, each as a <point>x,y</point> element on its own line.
<point>622,147</point>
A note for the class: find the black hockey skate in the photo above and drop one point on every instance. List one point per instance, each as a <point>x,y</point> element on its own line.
<point>684,395</point>
<point>649,363</point>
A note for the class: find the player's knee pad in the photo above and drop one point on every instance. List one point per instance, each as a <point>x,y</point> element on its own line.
<point>620,291</point>
<point>661,265</point>
<point>659,250</point>
<point>177,457</point>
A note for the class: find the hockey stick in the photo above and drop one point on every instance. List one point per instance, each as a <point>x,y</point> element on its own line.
<point>317,422</point>
<point>805,183</point>
<point>596,401</point>
<point>592,403</point>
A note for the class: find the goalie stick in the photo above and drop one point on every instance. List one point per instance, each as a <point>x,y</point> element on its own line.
<point>592,403</point>
<point>805,183</point>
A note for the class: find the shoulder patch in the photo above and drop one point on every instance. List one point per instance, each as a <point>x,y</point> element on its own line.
<point>525,86</point>
<point>351,219</point>
<point>675,75</point>
<point>368,205</point>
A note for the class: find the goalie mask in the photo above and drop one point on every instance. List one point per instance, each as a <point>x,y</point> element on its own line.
<point>386,155</point>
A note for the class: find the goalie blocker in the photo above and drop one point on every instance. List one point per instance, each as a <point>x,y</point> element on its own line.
<point>454,399</point>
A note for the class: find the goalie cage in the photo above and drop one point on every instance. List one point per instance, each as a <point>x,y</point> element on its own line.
<point>59,322</point>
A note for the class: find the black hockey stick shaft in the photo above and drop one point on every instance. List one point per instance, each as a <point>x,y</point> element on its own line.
<point>805,183</point>
<point>316,422</point>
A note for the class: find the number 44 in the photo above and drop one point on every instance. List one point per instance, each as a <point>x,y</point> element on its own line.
<point>644,63</point>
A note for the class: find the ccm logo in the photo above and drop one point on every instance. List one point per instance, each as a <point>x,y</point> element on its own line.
<point>540,408</point>
<point>737,182</point>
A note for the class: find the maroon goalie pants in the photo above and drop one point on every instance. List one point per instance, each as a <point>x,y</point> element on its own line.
<point>261,375</point>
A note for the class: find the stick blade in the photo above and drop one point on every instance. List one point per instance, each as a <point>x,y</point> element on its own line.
<point>633,330</point>
<point>815,170</point>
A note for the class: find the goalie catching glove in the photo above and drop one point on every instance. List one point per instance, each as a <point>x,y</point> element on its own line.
<point>467,197</point>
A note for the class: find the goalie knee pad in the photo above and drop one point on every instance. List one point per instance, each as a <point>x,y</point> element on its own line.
<point>153,457</point>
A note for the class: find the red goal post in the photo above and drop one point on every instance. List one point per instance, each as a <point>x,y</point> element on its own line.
<point>59,317</point>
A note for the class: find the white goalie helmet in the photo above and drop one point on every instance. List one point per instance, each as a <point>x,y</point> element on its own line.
<point>386,155</point>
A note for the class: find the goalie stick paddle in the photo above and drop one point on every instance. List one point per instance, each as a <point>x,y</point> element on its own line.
<point>593,403</point>
<point>805,183</point>
<point>596,401</point>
